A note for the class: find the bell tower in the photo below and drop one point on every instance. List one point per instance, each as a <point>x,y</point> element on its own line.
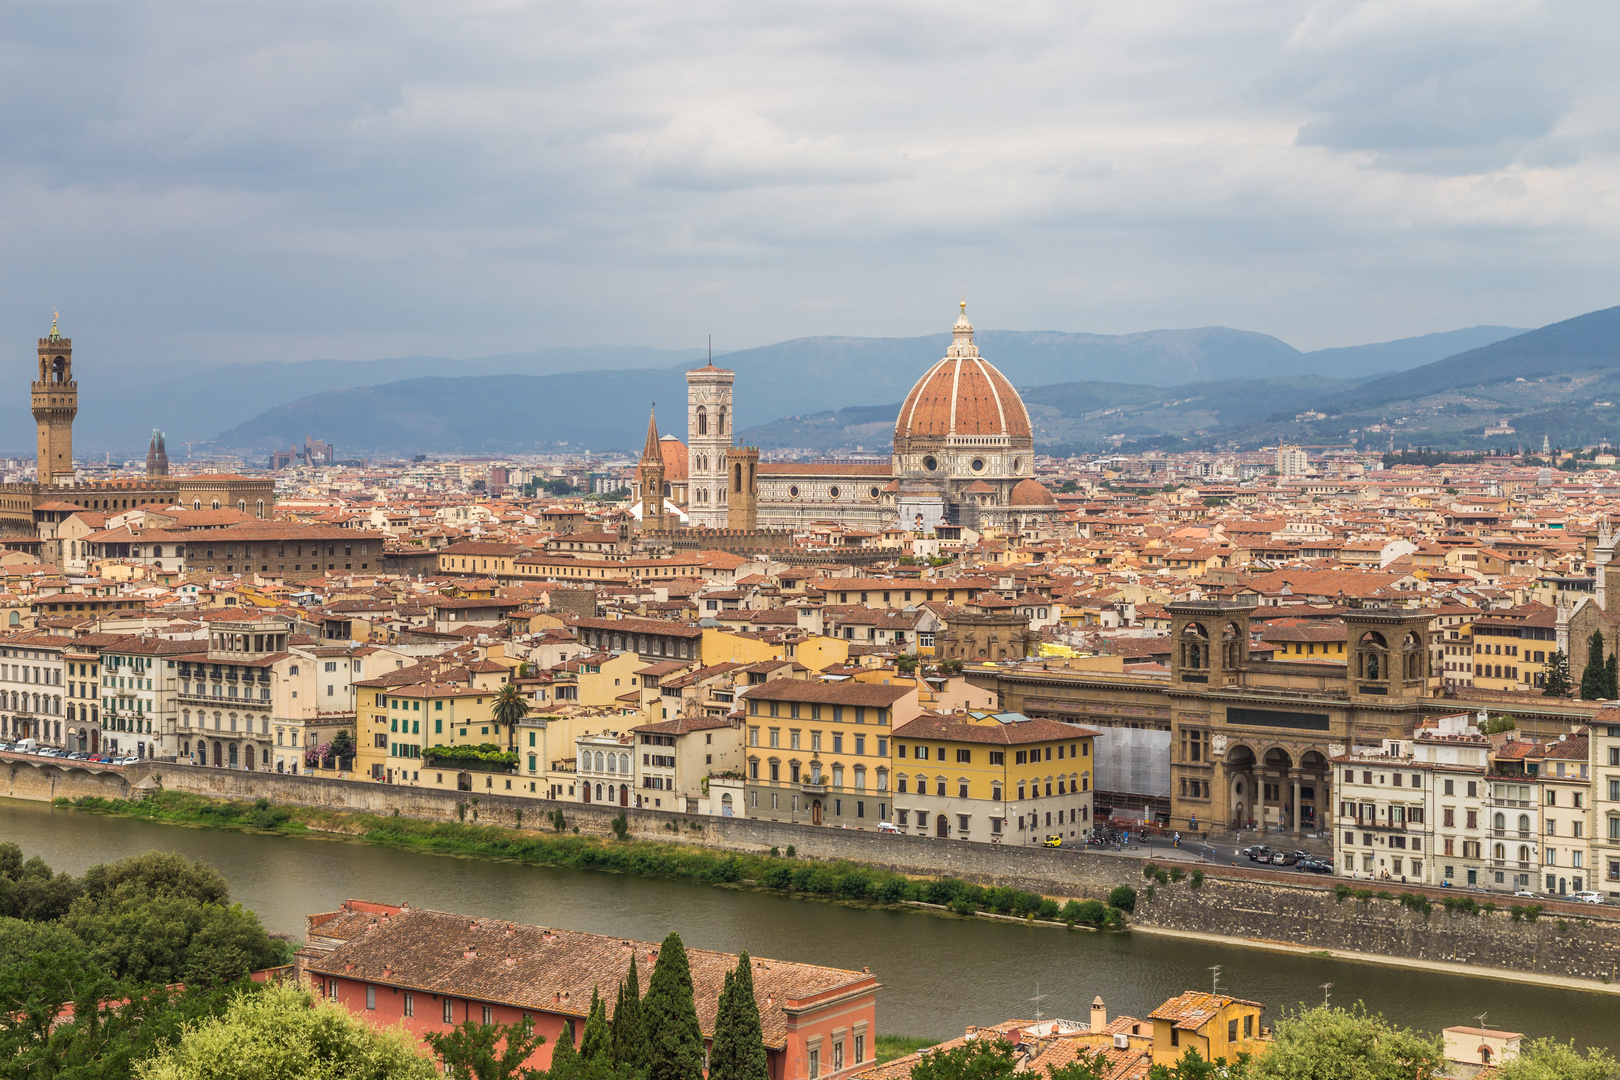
<point>55,404</point>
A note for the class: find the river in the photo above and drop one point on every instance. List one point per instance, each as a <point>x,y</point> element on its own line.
<point>938,974</point>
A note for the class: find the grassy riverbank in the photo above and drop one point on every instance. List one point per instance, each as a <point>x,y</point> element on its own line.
<point>554,845</point>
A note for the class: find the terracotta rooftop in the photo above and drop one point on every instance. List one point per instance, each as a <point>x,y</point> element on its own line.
<point>544,969</point>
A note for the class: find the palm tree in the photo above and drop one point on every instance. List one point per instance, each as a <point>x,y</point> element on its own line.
<point>509,708</point>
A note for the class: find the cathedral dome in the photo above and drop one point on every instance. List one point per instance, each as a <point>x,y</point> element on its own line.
<point>1031,493</point>
<point>961,395</point>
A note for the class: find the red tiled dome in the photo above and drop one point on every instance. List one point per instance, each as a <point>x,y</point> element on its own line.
<point>1030,493</point>
<point>963,394</point>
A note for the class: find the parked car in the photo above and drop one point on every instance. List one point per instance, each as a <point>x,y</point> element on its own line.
<point>1588,897</point>
<point>888,827</point>
<point>1527,894</point>
<point>1257,852</point>
<point>1284,858</point>
<point>1316,866</point>
<point>1052,841</point>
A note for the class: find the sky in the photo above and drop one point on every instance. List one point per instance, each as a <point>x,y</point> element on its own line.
<point>193,182</point>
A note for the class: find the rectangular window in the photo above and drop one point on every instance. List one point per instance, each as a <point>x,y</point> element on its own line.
<point>815,1063</point>
<point>998,757</point>
<point>410,1005</point>
<point>371,997</point>
<point>964,756</point>
<point>489,1015</point>
<point>860,1040</point>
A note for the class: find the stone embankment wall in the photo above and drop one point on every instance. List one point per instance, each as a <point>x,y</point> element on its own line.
<point>1313,917</point>
<point>1266,907</point>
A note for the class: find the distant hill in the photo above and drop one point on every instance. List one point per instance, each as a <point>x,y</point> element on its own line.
<point>1357,361</point>
<point>779,386</point>
<point>120,404</point>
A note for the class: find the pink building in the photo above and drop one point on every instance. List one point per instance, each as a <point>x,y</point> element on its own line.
<point>433,970</point>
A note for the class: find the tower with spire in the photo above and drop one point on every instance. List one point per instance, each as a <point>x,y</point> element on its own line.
<point>651,471</point>
<point>55,404</point>
<point>157,456</point>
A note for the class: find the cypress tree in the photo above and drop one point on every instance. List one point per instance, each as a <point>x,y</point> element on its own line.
<point>739,1041</point>
<point>674,1038</point>
<point>628,1036</point>
<point>564,1058</point>
<point>1593,676</point>
<point>595,1043</point>
<point>1611,678</point>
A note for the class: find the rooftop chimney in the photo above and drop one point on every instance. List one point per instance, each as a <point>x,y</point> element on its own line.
<point>1099,1014</point>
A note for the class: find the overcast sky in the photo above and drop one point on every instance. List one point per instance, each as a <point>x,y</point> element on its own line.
<point>295,179</point>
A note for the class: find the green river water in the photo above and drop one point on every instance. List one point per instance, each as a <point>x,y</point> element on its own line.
<point>938,974</point>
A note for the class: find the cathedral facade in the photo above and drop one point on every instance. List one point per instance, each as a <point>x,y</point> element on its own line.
<point>963,455</point>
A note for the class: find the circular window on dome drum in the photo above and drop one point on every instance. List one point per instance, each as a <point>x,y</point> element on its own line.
<point>930,463</point>
<point>978,464</point>
<point>794,491</point>
<point>833,491</point>
<point>875,493</point>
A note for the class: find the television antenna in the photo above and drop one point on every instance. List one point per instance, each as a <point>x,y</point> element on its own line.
<point>1325,988</point>
<point>1037,999</point>
<point>1215,979</point>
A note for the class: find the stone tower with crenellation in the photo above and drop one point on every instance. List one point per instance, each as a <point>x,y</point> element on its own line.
<point>55,404</point>
<point>708,437</point>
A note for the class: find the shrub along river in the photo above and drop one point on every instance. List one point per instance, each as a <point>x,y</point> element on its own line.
<point>939,974</point>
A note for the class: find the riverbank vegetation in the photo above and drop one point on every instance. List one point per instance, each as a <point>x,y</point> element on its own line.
<point>839,881</point>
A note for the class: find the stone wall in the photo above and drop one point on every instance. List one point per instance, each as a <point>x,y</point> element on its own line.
<point>1249,905</point>
<point>1313,917</point>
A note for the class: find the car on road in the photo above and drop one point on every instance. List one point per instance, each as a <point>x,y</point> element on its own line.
<point>1316,866</point>
<point>1588,897</point>
<point>1256,852</point>
<point>1052,841</point>
<point>1527,894</point>
<point>1284,858</point>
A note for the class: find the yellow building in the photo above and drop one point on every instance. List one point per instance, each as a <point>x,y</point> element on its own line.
<point>993,777</point>
<point>1511,647</point>
<point>1215,1025</point>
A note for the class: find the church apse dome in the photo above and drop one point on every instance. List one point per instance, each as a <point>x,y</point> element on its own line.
<point>963,420</point>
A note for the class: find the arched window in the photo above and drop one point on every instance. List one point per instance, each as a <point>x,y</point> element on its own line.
<point>599,761</point>
<point>613,763</point>
<point>216,507</point>
<point>1500,853</point>
<point>702,422</point>
<point>624,764</point>
<point>258,508</point>
<point>1500,821</point>
<point>1524,823</point>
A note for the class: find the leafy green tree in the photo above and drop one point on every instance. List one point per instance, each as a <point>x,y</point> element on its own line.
<point>29,890</point>
<point>628,1035</point>
<point>21,939</point>
<point>1193,1066</point>
<point>595,1044</point>
<point>343,744</point>
<point>738,1051</point>
<point>1556,682</point>
<point>1548,1059</point>
<point>509,708</point>
<point>981,1059</point>
<point>565,1063</point>
<point>112,1026</point>
<point>474,1051</point>
<point>674,1038</point>
<point>1592,678</point>
<point>280,1033</point>
<point>169,940</point>
<point>1346,1044</point>
<point>1083,1067</point>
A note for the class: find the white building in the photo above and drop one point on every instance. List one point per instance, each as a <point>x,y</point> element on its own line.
<point>1292,461</point>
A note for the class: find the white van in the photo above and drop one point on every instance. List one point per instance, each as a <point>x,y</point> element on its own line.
<point>888,827</point>
<point>27,746</point>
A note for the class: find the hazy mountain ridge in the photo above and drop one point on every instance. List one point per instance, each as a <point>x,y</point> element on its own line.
<point>812,376</point>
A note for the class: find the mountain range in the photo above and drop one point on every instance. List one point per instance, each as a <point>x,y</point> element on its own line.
<point>490,413</point>
<point>1174,386</point>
